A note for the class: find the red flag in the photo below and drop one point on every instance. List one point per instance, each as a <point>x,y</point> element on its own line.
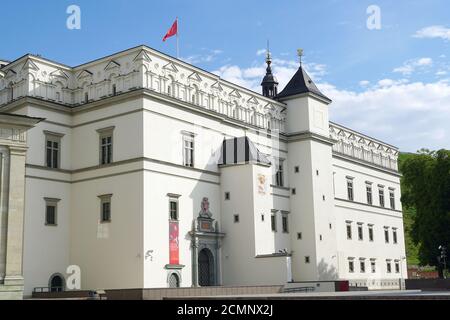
<point>172,31</point>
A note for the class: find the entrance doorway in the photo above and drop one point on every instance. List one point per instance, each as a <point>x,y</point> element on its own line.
<point>205,268</point>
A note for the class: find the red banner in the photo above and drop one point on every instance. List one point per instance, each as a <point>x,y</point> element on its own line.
<point>173,243</point>
<point>172,31</point>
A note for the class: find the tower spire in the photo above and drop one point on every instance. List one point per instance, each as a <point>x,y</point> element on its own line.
<point>269,83</point>
<point>300,55</point>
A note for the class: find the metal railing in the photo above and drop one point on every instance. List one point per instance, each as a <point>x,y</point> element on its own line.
<point>299,289</point>
<point>47,289</point>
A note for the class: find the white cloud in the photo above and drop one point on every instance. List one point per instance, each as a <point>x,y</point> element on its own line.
<point>433,32</point>
<point>408,115</point>
<point>208,55</point>
<point>412,65</point>
<point>261,52</point>
<point>364,83</point>
<point>389,83</point>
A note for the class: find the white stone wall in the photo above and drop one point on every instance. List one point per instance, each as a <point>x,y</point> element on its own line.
<point>359,212</point>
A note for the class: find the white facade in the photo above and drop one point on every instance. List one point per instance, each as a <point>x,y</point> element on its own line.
<point>149,104</point>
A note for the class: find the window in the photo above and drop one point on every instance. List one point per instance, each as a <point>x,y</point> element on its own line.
<point>273,222</point>
<point>262,217</point>
<point>106,145</point>
<point>370,232</point>
<point>394,235</point>
<point>173,209</point>
<point>373,266</point>
<point>317,172</point>
<point>397,267</point>
<point>294,191</point>
<point>52,149</point>
<point>51,206</point>
<point>307,259</point>
<point>227,196</point>
<point>297,169</point>
<point>349,231</point>
<point>388,266</point>
<point>360,231</point>
<point>114,89</point>
<point>299,236</point>
<point>369,194</point>
<point>285,223</point>
<point>188,149</point>
<point>279,173</point>
<point>351,266</point>
<point>350,189</point>
<point>386,234</point>
<point>381,196</point>
<point>86,97</point>
<point>392,199</point>
<point>58,96</point>
<point>236,218</point>
<point>362,266</point>
<point>105,208</point>
<point>106,150</point>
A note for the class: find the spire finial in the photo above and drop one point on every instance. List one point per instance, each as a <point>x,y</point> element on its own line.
<point>268,55</point>
<point>269,83</point>
<point>300,55</point>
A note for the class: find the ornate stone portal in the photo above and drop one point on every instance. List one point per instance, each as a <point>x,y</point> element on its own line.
<point>13,148</point>
<point>206,241</point>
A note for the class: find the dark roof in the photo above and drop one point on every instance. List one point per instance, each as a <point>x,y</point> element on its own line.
<point>241,150</point>
<point>300,83</point>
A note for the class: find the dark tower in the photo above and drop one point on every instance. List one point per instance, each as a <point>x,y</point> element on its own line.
<point>269,83</point>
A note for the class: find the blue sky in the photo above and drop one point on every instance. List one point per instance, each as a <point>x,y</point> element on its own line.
<point>392,83</point>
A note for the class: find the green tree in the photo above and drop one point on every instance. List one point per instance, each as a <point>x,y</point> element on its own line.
<point>426,197</point>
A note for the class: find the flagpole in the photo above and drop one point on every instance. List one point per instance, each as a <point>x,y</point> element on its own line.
<point>178,48</point>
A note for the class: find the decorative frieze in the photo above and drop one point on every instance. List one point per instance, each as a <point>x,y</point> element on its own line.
<point>363,148</point>
<point>141,68</point>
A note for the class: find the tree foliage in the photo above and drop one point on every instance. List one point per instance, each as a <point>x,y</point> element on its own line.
<point>426,197</point>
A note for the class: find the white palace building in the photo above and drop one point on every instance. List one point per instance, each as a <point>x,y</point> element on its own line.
<point>148,172</point>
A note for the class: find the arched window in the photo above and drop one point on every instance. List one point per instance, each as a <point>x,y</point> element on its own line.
<point>56,283</point>
<point>174,281</point>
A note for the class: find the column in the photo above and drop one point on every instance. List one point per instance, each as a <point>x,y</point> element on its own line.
<point>14,245</point>
<point>194,262</point>
<point>4,177</point>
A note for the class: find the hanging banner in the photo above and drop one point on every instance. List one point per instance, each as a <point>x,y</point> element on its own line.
<point>173,243</point>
